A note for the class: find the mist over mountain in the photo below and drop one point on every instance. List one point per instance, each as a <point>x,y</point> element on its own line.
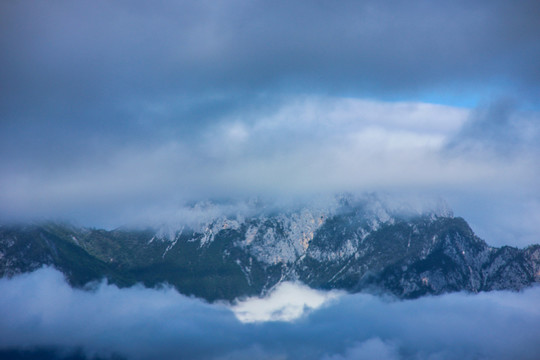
<point>119,120</point>
<point>330,278</point>
<point>232,250</point>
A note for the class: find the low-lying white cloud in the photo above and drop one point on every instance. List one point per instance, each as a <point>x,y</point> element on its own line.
<point>286,302</point>
<point>41,310</point>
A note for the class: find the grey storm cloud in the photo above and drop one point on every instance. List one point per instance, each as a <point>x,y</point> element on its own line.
<point>80,78</point>
<point>102,66</point>
<point>41,311</point>
<point>192,46</point>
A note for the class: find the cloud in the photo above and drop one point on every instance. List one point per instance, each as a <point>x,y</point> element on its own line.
<point>137,322</point>
<point>288,301</point>
<point>500,134</point>
<point>305,147</point>
<point>312,143</point>
<point>79,79</point>
<point>135,49</point>
<point>111,111</point>
<point>499,127</point>
<point>41,311</point>
<point>114,113</point>
<point>370,349</point>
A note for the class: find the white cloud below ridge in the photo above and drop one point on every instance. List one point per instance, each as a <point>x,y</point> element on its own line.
<point>41,310</point>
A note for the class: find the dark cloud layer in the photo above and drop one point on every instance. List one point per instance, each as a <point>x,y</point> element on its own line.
<point>40,309</point>
<point>124,67</point>
<point>190,46</point>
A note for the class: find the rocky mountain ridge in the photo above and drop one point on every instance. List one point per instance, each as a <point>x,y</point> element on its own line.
<point>355,245</point>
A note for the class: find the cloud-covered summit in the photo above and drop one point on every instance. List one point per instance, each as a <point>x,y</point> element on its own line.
<point>109,110</point>
<point>305,148</point>
<point>123,112</point>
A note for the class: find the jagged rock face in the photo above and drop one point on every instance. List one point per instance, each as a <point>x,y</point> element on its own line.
<point>353,246</point>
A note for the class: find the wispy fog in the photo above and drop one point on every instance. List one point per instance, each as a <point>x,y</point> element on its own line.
<point>40,309</point>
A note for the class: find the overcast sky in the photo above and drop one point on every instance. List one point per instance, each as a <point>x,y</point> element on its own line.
<point>113,110</point>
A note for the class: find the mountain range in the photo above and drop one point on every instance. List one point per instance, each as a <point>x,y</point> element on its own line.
<point>356,244</point>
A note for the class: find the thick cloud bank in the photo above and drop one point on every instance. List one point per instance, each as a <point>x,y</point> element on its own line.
<point>40,309</point>
<point>303,147</point>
